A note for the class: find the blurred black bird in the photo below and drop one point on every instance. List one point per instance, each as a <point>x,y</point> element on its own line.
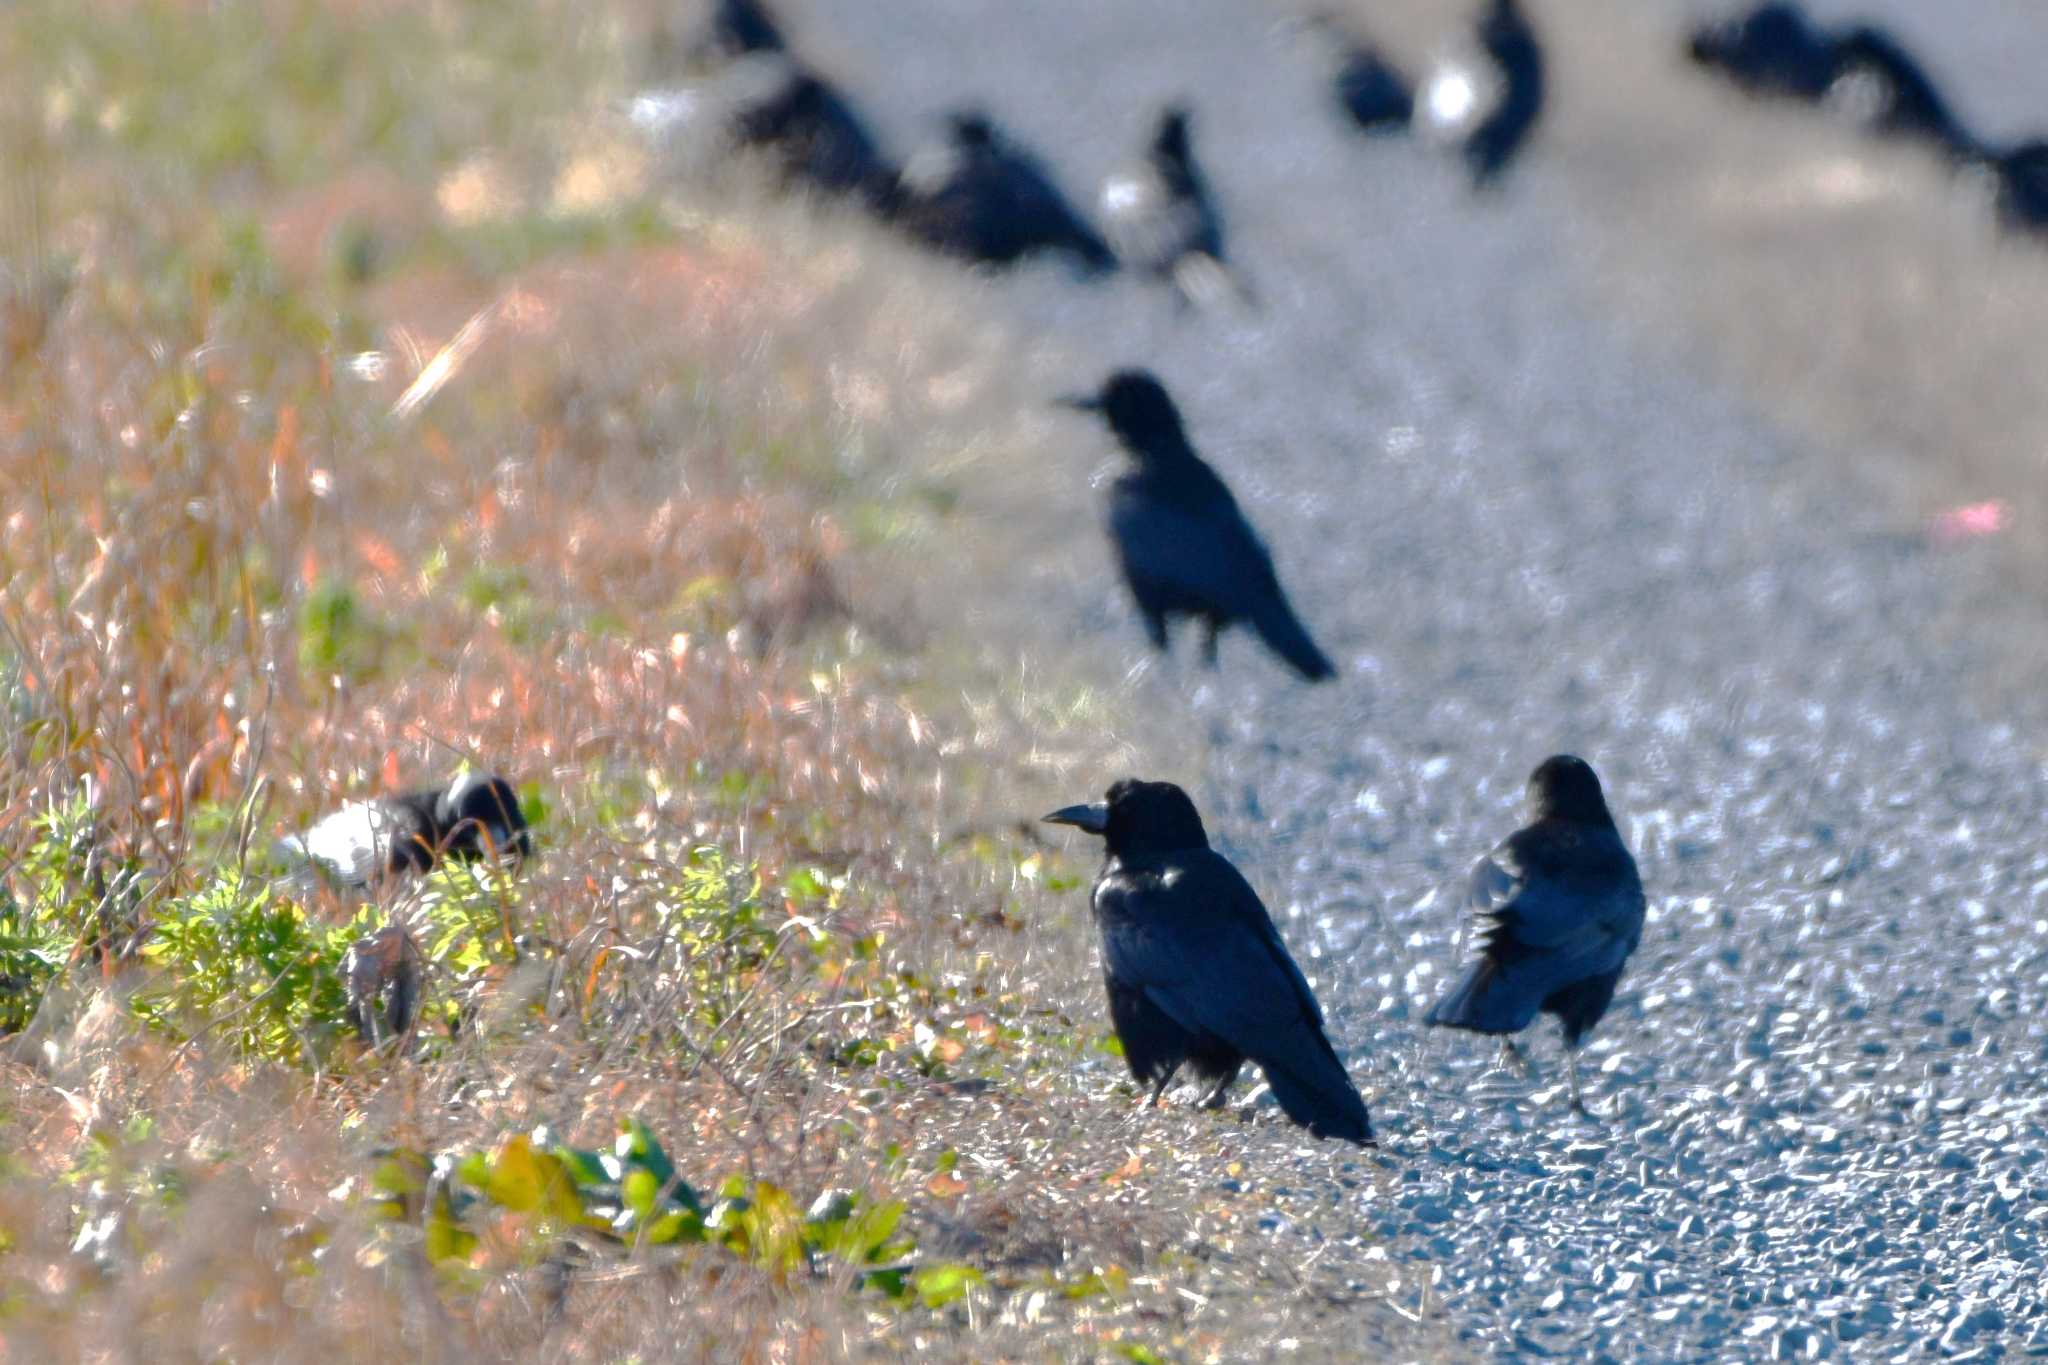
<point>1197,974</point>
<point>1184,546</point>
<point>1161,218</point>
<point>1505,34</point>
<point>1887,91</point>
<point>739,27</point>
<point>1772,50</point>
<point>1369,88</point>
<point>984,198</point>
<point>813,135</point>
<point>363,843</point>
<point>1564,909</point>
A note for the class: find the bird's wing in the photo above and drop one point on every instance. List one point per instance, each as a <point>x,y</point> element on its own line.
<point>1204,550</point>
<point>1566,895</point>
<point>1197,941</point>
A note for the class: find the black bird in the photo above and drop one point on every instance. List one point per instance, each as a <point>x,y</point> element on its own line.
<point>365,842</point>
<point>1368,87</point>
<point>1564,909</point>
<point>813,135</point>
<point>984,198</point>
<point>1197,974</point>
<point>740,27</point>
<point>1889,92</point>
<point>1162,219</point>
<point>1507,37</point>
<point>1772,50</point>
<point>1184,546</point>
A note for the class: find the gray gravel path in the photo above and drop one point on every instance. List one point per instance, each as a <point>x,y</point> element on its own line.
<point>1523,522</point>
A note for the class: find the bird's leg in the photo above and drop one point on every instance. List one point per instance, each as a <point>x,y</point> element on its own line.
<point>1211,629</point>
<point>1158,1090</point>
<point>1511,1057</point>
<point>1215,1098</point>
<point>1571,1074</point>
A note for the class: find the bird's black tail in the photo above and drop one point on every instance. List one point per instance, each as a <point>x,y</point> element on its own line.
<point>1285,635</point>
<point>1319,1096</point>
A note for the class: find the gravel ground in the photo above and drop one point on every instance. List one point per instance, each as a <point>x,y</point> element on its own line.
<point>1528,511</point>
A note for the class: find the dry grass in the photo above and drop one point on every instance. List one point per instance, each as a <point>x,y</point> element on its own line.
<point>354,437</point>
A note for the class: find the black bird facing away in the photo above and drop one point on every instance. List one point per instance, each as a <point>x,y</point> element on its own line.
<point>984,198</point>
<point>365,842</point>
<point>1563,908</point>
<point>1369,88</point>
<point>1162,218</point>
<point>1185,548</point>
<point>1507,37</point>
<point>1772,50</point>
<point>814,136</point>
<point>1197,973</point>
<point>1776,50</point>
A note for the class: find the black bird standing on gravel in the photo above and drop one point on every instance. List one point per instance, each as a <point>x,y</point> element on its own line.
<point>812,133</point>
<point>1162,219</point>
<point>1772,50</point>
<point>1564,909</point>
<point>1197,973</point>
<point>1185,548</point>
<point>984,198</point>
<point>1507,37</point>
<point>1368,87</point>
<point>474,816</point>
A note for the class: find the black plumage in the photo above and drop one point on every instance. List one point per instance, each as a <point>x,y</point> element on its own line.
<point>1772,50</point>
<point>2020,175</point>
<point>1162,219</point>
<point>813,135</point>
<point>1197,974</point>
<point>1505,34</point>
<point>1890,93</point>
<point>1369,88</point>
<point>474,816</point>
<point>1184,547</point>
<point>1563,907</point>
<point>984,198</point>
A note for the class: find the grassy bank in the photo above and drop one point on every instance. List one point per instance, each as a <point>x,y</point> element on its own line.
<point>371,405</point>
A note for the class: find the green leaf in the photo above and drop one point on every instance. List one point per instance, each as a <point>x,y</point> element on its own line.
<point>941,1284</point>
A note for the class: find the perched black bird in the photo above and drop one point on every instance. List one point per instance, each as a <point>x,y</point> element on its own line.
<point>812,133</point>
<point>1564,909</point>
<point>1184,546</point>
<point>983,198</point>
<point>1197,974</point>
<point>367,841</point>
<point>1888,92</point>
<point>1369,88</point>
<point>1507,37</point>
<point>1162,219</point>
<point>1772,50</point>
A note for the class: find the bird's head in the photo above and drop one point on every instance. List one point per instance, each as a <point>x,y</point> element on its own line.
<point>1565,788</point>
<point>1171,141</point>
<point>480,811</point>
<point>1139,817</point>
<point>972,128</point>
<point>1138,410</point>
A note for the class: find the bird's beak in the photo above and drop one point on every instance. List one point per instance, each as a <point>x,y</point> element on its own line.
<point>1094,818</point>
<point>1079,402</point>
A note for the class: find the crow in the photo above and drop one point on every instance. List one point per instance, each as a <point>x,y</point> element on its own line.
<point>984,198</point>
<point>1162,219</point>
<point>1505,34</point>
<point>1369,88</point>
<point>1772,50</point>
<point>812,133</point>
<point>1197,974</point>
<point>1564,909</point>
<point>1184,546</point>
<point>366,842</point>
